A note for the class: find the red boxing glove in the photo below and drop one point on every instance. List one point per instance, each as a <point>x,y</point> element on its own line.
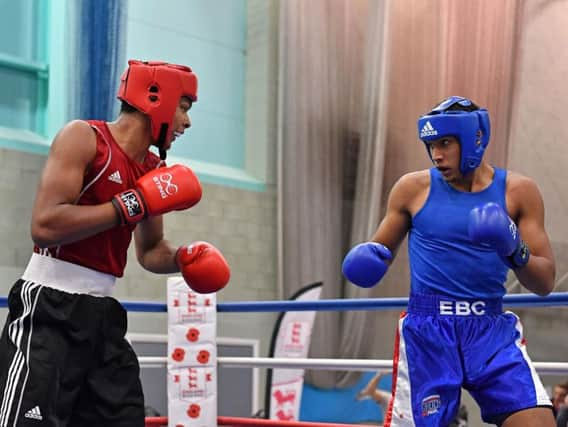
<point>159,191</point>
<point>203,267</point>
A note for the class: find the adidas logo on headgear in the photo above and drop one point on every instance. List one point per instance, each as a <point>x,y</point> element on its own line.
<point>428,130</point>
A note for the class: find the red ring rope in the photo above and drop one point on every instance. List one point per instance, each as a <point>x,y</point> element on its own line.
<point>240,422</point>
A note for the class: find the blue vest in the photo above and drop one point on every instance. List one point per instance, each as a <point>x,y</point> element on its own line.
<point>443,260</point>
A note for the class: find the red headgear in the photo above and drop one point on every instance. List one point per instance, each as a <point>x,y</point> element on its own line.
<point>155,88</point>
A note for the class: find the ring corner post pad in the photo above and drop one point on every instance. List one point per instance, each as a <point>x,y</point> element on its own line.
<point>192,356</point>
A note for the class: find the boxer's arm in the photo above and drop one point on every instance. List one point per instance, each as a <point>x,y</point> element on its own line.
<point>538,274</point>
<point>203,267</point>
<point>56,219</point>
<point>397,220</point>
<point>154,253</point>
<point>366,263</point>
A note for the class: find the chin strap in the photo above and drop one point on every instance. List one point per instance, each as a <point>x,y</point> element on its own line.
<point>162,140</point>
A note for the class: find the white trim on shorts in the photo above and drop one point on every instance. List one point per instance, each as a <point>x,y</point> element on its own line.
<point>542,398</point>
<point>68,277</point>
<point>401,399</point>
<point>19,334</point>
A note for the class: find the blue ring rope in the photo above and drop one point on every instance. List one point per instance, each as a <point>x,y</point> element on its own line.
<point>556,299</point>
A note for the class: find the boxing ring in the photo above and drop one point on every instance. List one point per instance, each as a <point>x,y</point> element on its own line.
<point>558,299</point>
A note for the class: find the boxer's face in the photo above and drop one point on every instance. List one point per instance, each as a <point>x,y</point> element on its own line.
<point>181,122</point>
<point>445,153</point>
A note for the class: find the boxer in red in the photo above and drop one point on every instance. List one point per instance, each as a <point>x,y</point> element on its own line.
<point>64,360</point>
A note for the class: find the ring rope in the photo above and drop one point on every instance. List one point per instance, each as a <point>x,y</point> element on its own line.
<point>239,422</point>
<point>555,299</point>
<point>549,368</point>
<point>520,300</point>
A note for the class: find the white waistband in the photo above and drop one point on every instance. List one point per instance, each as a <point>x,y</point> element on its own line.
<point>68,277</point>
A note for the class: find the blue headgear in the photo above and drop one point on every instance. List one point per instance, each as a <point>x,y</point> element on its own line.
<point>471,128</point>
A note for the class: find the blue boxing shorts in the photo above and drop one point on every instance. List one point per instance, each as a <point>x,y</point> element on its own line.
<point>443,345</point>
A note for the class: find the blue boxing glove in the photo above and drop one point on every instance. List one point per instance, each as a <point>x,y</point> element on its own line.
<point>490,224</point>
<point>365,264</point>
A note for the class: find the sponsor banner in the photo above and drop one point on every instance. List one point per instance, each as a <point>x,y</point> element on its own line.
<point>192,384</point>
<point>291,338</point>
<point>193,412</point>
<point>192,356</point>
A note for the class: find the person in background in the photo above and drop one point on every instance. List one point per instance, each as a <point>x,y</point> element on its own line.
<point>371,391</point>
<point>559,395</point>
<point>562,416</point>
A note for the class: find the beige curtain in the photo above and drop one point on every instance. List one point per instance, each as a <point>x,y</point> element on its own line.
<point>320,90</point>
<point>316,79</point>
<point>411,53</point>
<point>355,337</point>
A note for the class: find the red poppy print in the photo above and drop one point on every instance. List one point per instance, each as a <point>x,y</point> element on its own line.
<point>203,357</point>
<point>192,334</point>
<point>193,410</point>
<point>178,355</point>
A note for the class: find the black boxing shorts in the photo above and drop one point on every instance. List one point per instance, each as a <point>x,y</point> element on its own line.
<point>64,361</point>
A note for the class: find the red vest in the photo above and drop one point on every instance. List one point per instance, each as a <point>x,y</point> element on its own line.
<point>111,172</point>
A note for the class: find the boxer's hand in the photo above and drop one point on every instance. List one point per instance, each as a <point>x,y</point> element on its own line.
<point>203,267</point>
<point>490,224</point>
<point>159,191</point>
<point>365,264</point>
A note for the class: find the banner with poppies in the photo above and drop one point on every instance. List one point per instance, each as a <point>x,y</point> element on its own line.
<point>192,356</point>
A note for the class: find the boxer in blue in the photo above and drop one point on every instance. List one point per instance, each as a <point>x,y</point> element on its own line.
<point>467,223</point>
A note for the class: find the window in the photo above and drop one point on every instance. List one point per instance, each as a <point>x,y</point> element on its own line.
<point>24,75</point>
